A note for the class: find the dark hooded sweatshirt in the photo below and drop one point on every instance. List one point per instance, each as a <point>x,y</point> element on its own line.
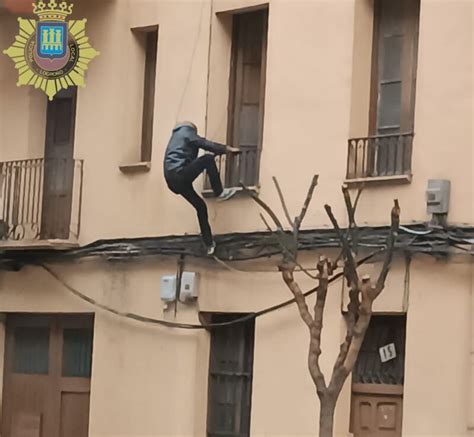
<point>183,148</point>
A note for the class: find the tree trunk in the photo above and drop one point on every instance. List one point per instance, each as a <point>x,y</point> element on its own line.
<point>326,417</point>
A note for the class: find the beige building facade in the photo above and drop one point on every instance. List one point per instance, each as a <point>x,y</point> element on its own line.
<point>356,91</point>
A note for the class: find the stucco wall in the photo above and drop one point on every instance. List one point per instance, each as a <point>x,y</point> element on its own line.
<point>316,51</point>
<point>151,381</point>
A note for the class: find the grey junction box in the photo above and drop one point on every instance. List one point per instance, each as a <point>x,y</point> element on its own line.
<point>437,196</point>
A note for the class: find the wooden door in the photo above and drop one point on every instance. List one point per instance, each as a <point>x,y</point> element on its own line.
<point>376,410</point>
<point>59,165</point>
<point>377,379</point>
<point>47,376</point>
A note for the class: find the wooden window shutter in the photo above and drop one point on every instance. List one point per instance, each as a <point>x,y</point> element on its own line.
<point>246,106</point>
<point>394,66</point>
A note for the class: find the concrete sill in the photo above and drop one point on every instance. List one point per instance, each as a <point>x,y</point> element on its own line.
<point>379,180</point>
<point>138,167</point>
<point>54,244</point>
<point>208,193</point>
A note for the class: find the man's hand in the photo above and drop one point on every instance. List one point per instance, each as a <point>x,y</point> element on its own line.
<point>231,149</point>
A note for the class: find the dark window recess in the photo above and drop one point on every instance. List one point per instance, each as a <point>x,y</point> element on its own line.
<point>149,39</point>
<point>31,353</point>
<point>230,378</point>
<point>59,167</point>
<point>247,91</point>
<point>77,352</point>
<point>369,368</point>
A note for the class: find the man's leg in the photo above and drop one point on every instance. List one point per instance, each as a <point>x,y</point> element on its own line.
<point>208,163</point>
<point>200,206</point>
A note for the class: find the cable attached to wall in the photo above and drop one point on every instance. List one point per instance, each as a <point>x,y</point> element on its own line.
<point>189,326</point>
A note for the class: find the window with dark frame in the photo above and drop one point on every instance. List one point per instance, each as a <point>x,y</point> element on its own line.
<point>247,92</point>
<point>369,368</point>
<point>393,84</point>
<point>388,149</point>
<point>149,37</point>
<point>230,377</point>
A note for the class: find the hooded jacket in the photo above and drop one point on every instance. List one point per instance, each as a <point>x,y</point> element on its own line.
<point>184,145</point>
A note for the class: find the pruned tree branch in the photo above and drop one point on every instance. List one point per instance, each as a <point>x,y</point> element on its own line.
<point>304,209</point>
<point>350,263</point>
<point>395,223</point>
<point>362,292</point>
<point>264,206</point>
<point>265,222</point>
<point>312,324</point>
<point>359,192</point>
<point>288,277</point>
<point>282,200</point>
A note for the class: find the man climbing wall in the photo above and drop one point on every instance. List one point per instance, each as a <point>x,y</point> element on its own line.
<point>182,166</point>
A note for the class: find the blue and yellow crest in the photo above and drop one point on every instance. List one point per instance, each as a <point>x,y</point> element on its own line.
<point>51,54</point>
<point>51,40</point>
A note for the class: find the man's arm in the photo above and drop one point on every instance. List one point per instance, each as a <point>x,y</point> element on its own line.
<point>209,146</point>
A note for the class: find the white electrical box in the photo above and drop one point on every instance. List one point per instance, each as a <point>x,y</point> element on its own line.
<point>168,288</point>
<point>189,286</point>
<point>437,196</point>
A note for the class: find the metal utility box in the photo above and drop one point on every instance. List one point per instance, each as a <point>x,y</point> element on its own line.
<point>189,286</point>
<point>168,288</point>
<point>437,196</point>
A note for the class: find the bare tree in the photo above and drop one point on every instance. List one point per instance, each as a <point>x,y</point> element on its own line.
<point>362,291</point>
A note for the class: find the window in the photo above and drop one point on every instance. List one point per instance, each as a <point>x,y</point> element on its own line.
<point>387,151</point>
<point>369,368</point>
<point>149,40</point>
<point>230,377</point>
<point>393,84</point>
<point>247,91</point>
<point>394,66</point>
<point>31,350</point>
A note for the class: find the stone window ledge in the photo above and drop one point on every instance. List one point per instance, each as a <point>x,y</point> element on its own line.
<point>379,180</point>
<point>134,168</point>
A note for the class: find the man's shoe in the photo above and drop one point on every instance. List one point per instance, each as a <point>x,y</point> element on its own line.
<point>226,194</point>
<point>211,249</point>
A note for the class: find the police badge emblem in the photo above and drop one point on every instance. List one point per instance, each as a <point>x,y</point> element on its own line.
<point>51,54</point>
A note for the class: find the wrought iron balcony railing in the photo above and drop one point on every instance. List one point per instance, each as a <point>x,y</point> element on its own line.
<point>379,156</point>
<point>40,199</point>
<point>242,167</point>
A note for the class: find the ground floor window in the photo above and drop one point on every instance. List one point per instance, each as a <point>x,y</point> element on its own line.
<point>230,377</point>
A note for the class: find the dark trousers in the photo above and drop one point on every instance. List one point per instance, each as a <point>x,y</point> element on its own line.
<point>181,182</point>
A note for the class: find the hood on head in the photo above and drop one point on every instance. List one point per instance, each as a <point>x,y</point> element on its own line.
<point>181,124</point>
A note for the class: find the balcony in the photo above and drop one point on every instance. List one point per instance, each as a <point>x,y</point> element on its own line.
<point>234,169</point>
<point>40,203</point>
<point>380,158</point>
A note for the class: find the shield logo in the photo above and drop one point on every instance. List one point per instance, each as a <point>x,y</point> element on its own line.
<point>52,39</point>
